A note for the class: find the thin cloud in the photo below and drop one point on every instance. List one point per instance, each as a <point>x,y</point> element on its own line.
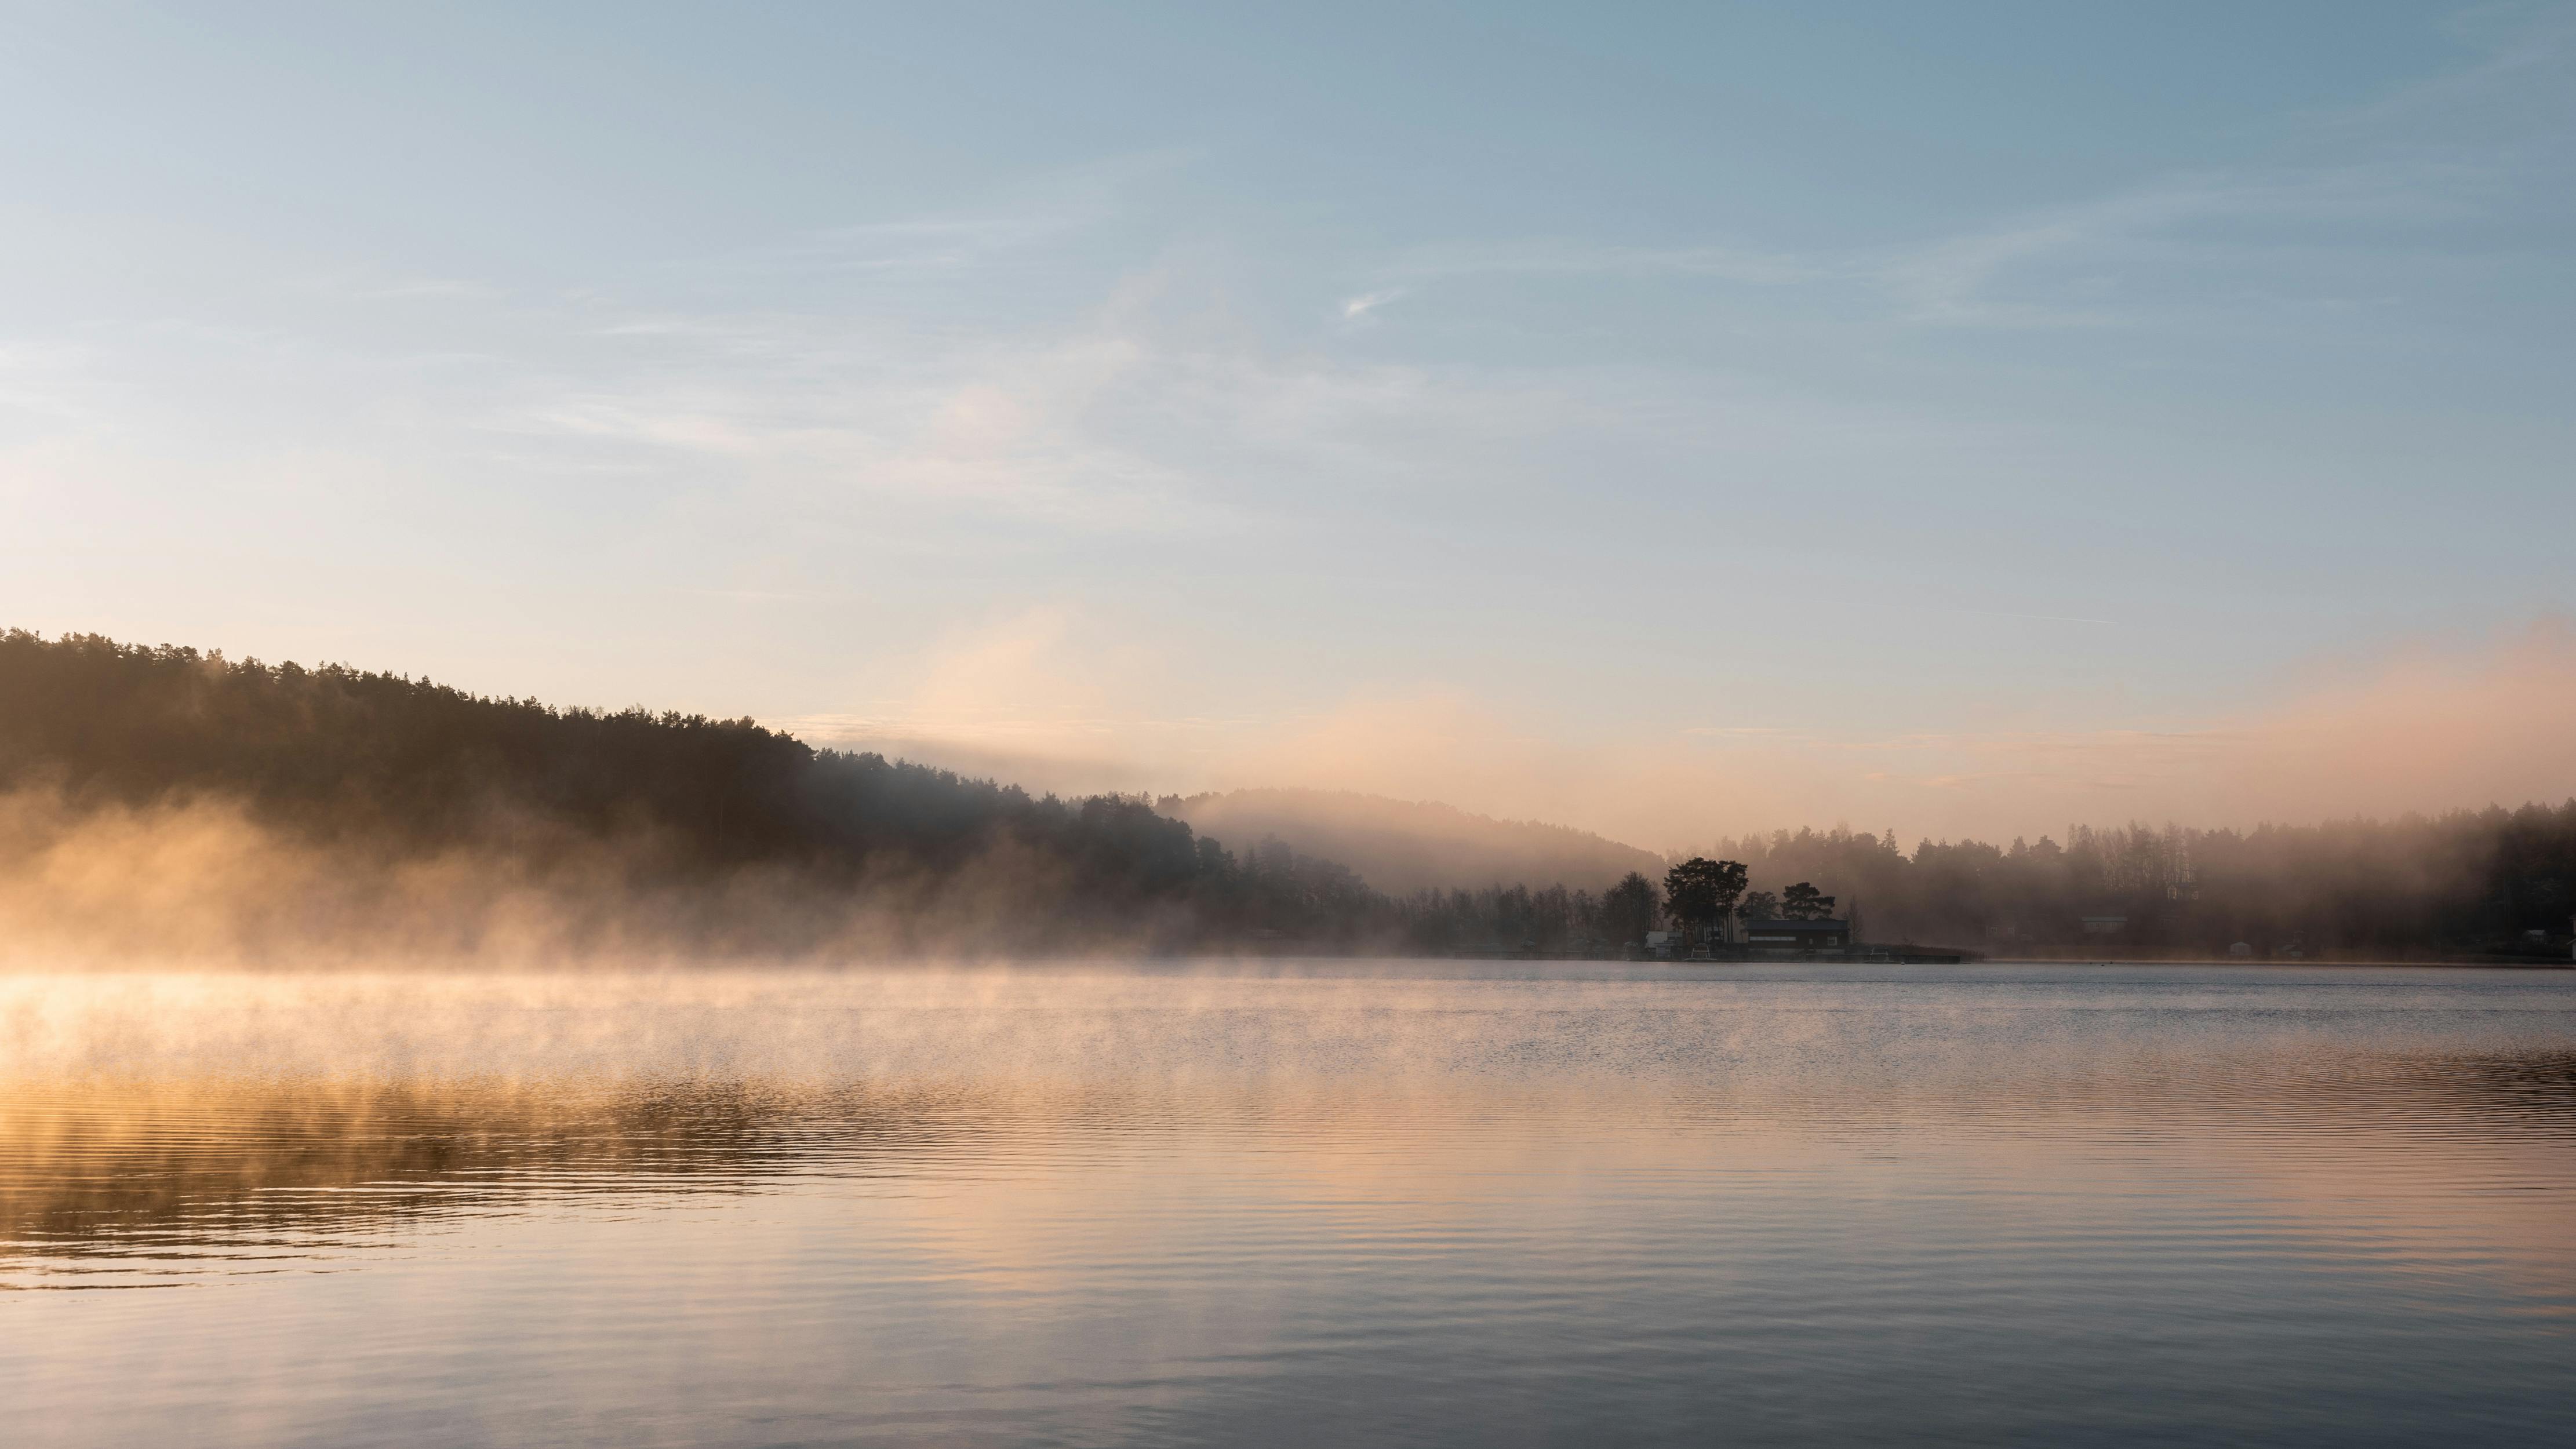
<point>1567,257</point>
<point>1362,307</point>
<point>2048,618</point>
<point>2440,153</point>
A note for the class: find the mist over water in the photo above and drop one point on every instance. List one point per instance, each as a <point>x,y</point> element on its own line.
<point>1430,1202</point>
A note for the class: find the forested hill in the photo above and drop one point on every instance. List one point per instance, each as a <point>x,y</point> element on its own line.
<point>1403,846</point>
<point>384,766</point>
<point>156,800</point>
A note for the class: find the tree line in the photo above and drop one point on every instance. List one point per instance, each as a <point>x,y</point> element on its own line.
<point>2490,883</point>
<point>379,763</point>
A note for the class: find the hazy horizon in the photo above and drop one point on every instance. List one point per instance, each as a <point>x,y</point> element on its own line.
<point>2377,750</point>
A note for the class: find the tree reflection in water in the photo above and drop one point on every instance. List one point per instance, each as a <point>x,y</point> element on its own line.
<point>174,1172</point>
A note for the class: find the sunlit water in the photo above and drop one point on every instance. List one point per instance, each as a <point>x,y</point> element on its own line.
<point>1418,1203</point>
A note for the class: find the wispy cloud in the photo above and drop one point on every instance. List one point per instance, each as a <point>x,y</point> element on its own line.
<point>934,244</point>
<point>2116,259</point>
<point>2441,155</point>
<point>1039,213</point>
<point>1061,375</point>
<point>1363,307</point>
<point>1559,256</point>
<point>2045,618</point>
<point>359,285</point>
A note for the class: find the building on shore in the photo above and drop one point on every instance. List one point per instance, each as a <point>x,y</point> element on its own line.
<point>1797,940</point>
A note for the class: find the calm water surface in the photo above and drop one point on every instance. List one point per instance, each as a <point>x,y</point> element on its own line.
<point>1414,1203</point>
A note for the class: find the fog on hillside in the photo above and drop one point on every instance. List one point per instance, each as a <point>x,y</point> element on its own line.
<point>160,804</point>
<point>1403,846</point>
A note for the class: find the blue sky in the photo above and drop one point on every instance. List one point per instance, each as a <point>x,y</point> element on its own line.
<point>1672,420</point>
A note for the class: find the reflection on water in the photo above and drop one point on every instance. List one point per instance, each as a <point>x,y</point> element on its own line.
<point>123,1184</point>
<point>1426,1203</point>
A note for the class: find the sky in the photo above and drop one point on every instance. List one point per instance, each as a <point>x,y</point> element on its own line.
<point>1670,421</point>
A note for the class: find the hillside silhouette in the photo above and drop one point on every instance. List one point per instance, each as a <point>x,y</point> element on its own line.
<point>719,832</point>
<point>1404,846</point>
<point>158,802</point>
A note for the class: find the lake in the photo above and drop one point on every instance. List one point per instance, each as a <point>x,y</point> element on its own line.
<point>1296,1203</point>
